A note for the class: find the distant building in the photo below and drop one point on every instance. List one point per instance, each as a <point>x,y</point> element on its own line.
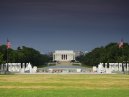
<point>63,55</point>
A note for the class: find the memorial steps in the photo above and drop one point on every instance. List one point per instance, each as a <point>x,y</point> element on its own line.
<point>64,63</point>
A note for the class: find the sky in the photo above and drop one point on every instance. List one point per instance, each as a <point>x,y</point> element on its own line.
<point>48,25</point>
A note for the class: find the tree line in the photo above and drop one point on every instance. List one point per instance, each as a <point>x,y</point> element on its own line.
<point>23,55</point>
<point>110,53</point>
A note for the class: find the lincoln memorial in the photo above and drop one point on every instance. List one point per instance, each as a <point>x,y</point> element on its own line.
<point>63,55</point>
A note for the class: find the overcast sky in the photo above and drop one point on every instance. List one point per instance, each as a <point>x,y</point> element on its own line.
<point>49,25</point>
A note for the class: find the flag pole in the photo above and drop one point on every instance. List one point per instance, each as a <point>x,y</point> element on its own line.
<point>7,60</point>
<point>121,47</point>
<point>8,45</point>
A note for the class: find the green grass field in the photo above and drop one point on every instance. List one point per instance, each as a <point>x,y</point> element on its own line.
<point>64,85</point>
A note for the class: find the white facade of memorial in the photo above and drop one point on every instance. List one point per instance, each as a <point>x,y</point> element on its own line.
<point>63,55</point>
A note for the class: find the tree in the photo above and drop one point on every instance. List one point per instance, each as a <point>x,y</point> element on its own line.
<point>23,55</point>
<point>3,50</point>
<point>111,53</point>
<point>1,58</point>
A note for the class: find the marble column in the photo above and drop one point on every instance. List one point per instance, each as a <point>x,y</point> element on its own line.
<point>120,66</point>
<point>127,66</point>
<point>53,57</point>
<point>2,67</point>
<point>105,65</point>
<point>110,68</point>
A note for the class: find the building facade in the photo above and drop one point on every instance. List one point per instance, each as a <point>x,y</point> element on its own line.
<point>63,55</point>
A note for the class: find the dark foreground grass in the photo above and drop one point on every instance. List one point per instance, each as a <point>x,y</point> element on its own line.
<point>55,85</point>
<point>64,93</point>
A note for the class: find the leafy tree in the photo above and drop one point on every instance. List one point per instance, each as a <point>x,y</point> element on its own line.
<point>108,54</point>
<point>1,58</point>
<point>3,51</point>
<point>23,55</point>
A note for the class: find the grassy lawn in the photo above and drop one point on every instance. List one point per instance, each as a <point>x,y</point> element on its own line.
<point>64,85</point>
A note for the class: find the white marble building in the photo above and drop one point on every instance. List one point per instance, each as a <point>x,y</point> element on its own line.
<point>63,55</point>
